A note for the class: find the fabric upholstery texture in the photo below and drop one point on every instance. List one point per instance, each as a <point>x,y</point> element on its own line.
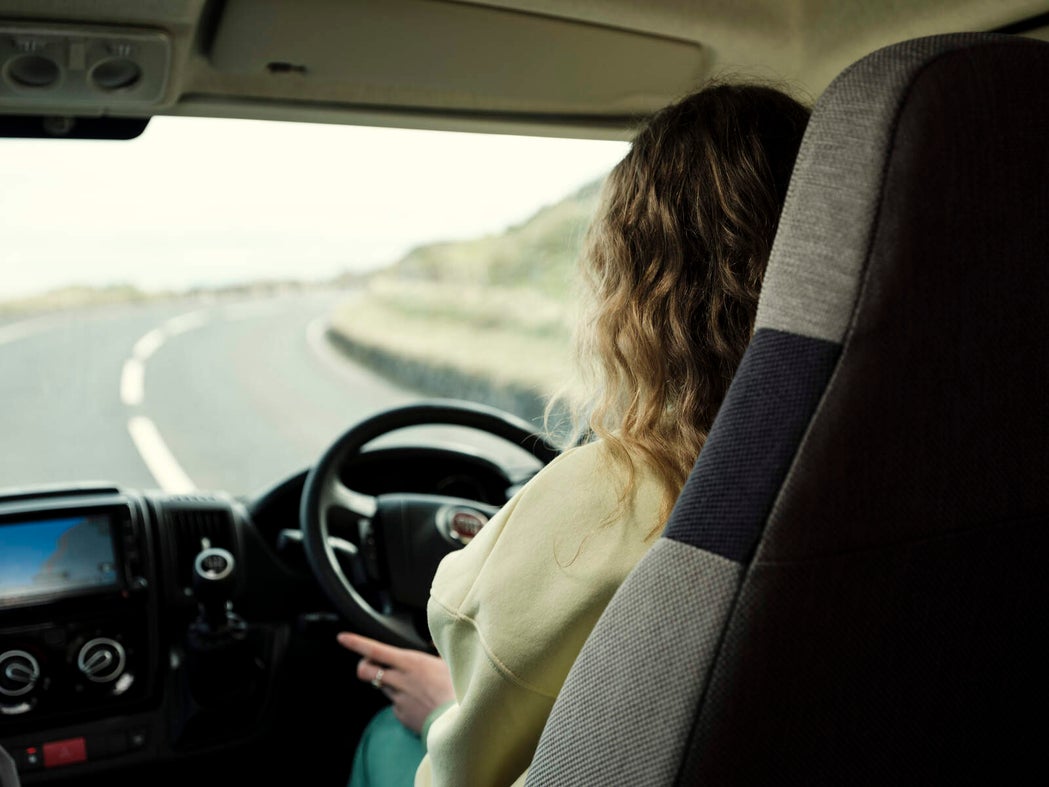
<point>885,630</point>
<point>632,684</point>
<point>818,257</point>
<point>724,505</point>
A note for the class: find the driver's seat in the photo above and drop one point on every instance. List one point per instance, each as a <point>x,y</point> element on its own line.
<point>852,588</point>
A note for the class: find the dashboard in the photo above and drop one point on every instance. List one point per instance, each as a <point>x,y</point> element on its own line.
<point>93,580</point>
<point>139,627</point>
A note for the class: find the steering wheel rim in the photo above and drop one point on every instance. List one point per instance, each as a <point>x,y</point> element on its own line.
<point>324,492</point>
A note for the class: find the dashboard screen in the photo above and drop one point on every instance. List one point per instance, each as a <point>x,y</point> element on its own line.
<point>50,556</point>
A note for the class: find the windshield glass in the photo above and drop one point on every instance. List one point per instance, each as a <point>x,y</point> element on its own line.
<point>208,306</point>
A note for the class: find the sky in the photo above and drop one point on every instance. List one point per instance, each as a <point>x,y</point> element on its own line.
<point>199,202</point>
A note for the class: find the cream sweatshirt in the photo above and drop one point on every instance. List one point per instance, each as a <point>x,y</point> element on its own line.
<point>510,612</point>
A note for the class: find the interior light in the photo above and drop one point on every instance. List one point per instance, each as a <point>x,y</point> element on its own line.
<point>117,73</point>
<point>33,71</point>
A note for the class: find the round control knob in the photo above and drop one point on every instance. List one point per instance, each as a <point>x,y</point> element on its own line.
<point>101,660</point>
<point>19,673</point>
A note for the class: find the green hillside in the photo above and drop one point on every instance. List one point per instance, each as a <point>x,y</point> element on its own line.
<point>487,319</point>
<point>538,254</point>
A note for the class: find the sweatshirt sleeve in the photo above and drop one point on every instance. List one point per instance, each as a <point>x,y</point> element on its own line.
<point>434,714</point>
<point>511,611</point>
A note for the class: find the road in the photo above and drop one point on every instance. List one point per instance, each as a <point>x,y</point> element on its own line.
<point>179,395</point>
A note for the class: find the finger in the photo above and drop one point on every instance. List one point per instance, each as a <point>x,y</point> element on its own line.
<point>372,649</point>
<point>388,678</point>
<point>354,642</point>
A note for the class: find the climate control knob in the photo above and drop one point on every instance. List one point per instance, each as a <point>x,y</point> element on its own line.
<point>101,660</point>
<point>19,673</point>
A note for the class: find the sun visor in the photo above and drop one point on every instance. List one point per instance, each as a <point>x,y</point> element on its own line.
<point>447,58</point>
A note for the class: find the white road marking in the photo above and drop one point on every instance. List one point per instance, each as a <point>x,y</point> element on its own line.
<point>159,460</point>
<point>133,382</point>
<point>315,333</point>
<point>133,375</point>
<point>317,341</point>
<point>341,366</point>
<point>155,453</point>
<point>149,344</point>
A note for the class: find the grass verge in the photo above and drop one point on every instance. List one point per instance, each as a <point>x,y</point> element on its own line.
<point>508,347</point>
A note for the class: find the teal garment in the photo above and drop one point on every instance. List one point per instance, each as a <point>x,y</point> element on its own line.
<point>388,754</point>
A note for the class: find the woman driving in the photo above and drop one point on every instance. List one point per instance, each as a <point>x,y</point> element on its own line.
<point>672,267</point>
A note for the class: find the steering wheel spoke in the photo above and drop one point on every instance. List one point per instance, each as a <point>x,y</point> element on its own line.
<point>341,496</point>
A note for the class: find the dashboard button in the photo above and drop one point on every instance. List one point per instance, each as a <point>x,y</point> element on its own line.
<point>65,752</point>
<point>137,738</point>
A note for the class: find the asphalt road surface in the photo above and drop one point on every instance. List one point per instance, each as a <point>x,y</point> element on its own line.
<point>183,395</point>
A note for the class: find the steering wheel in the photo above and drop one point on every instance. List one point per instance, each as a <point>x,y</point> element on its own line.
<point>401,536</point>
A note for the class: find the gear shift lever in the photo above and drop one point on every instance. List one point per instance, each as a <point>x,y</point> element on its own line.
<point>220,658</point>
<point>213,579</point>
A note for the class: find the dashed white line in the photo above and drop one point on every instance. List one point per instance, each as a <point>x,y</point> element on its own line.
<point>159,460</point>
<point>133,382</point>
<point>133,375</point>
<point>156,455</point>
<point>149,344</point>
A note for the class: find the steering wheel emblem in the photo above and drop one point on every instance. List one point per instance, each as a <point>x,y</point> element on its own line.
<point>460,523</point>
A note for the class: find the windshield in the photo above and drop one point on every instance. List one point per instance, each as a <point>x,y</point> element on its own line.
<point>208,306</point>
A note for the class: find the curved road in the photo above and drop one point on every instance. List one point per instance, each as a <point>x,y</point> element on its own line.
<point>180,395</point>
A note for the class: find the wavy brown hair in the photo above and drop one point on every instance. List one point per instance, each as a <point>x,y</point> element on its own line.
<point>672,265</point>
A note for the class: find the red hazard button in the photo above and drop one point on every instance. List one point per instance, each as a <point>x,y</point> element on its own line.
<point>65,752</point>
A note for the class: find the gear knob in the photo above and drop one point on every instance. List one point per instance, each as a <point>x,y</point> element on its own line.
<point>213,579</point>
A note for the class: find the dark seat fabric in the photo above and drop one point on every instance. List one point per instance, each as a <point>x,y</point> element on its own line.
<point>850,587</point>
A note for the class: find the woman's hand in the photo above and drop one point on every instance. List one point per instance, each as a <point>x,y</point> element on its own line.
<point>415,682</point>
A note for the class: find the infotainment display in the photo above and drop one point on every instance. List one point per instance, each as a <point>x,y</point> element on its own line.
<point>55,556</point>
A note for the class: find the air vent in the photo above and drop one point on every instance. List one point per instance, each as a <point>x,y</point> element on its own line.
<point>198,498</point>
<point>190,527</point>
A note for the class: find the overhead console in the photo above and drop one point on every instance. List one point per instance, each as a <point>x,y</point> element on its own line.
<point>82,69</point>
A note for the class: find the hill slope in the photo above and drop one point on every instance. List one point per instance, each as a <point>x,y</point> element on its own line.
<point>486,319</point>
<point>538,254</point>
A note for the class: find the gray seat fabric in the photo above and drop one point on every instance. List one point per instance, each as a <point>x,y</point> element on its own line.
<point>8,772</point>
<point>850,587</point>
